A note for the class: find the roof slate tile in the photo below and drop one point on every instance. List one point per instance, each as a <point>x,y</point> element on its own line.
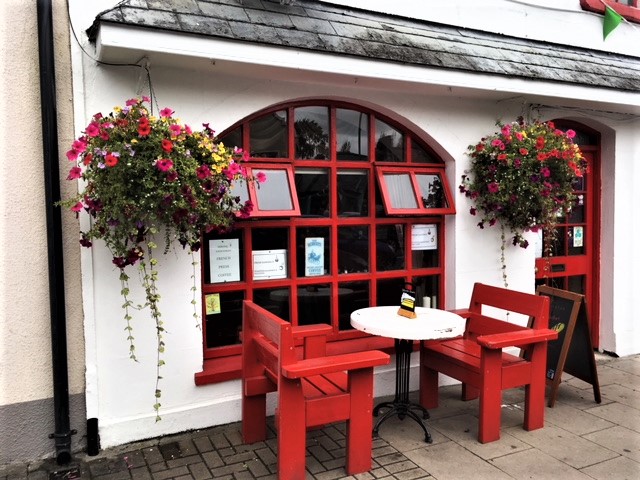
<point>320,27</point>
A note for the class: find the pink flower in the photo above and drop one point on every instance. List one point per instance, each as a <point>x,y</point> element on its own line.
<point>74,173</point>
<point>496,142</point>
<point>545,172</point>
<point>232,170</point>
<point>203,172</point>
<point>164,164</point>
<point>93,130</point>
<point>79,145</point>
<point>261,177</point>
<point>519,136</point>
<point>571,133</point>
<point>77,207</point>
<point>175,130</point>
<point>145,98</point>
<point>187,130</point>
<point>131,102</point>
<point>493,187</point>
<point>72,155</point>
<point>166,112</point>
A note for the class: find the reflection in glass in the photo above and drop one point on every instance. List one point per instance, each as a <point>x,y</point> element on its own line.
<point>274,300</point>
<point>233,138</point>
<point>312,186</point>
<point>577,212</point>
<point>577,284</point>
<point>224,328</point>
<point>352,132</point>
<point>400,190</point>
<point>389,143</point>
<point>240,188</point>
<point>390,247</point>
<point>425,258</point>
<point>312,132</point>
<point>268,136</point>
<point>352,296</point>
<point>431,190</point>
<point>306,256</point>
<point>420,155</point>
<point>427,289</point>
<point>314,304</point>
<point>353,193</point>
<point>353,249</point>
<point>275,193</point>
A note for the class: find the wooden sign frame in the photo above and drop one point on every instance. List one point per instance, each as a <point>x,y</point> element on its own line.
<point>572,352</point>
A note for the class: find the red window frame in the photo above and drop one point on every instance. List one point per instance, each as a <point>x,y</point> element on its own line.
<point>631,13</point>
<point>420,208</point>
<point>425,266</point>
<point>253,191</point>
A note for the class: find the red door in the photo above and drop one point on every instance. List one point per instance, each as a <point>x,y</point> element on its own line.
<point>574,261</point>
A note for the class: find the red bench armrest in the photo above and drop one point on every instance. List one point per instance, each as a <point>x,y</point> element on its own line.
<point>517,338</point>
<point>335,363</point>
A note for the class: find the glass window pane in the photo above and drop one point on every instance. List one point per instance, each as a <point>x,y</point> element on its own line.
<point>313,251</point>
<point>277,301</point>
<point>577,284</point>
<point>352,296</point>
<point>353,193</point>
<point>420,155</point>
<point>431,191</point>
<point>240,188</point>
<point>312,132</point>
<point>269,136</point>
<point>275,192</point>
<point>427,291</point>
<point>233,138</point>
<point>389,143</point>
<point>390,247</point>
<point>312,186</point>
<point>400,190</point>
<point>269,238</point>
<point>352,130</point>
<point>389,291</point>
<point>314,304</point>
<point>223,328</point>
<point>353,249</point>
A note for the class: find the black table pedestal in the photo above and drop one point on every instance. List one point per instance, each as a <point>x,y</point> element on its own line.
<point>400,405</point>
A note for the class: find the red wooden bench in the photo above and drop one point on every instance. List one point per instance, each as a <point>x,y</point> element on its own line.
<point>313,389</point>
<point>477,359</point>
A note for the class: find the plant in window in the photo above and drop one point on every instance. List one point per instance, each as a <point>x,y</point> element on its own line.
<point>522,177</point>
<point>150,180</point>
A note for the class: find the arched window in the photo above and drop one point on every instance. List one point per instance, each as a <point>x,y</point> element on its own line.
<point>352,209</point>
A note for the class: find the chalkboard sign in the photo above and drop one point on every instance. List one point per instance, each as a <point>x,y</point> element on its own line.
<point>572,352</point>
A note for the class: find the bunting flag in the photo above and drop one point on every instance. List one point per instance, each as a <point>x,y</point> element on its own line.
<point>611,20</point>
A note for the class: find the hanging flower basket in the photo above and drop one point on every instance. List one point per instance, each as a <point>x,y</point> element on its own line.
<point>523,177</point>
<point>150,180</point>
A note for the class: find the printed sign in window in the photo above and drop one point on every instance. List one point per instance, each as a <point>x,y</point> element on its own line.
<point>224,260</point>
<point>269,264</point>
<point>424,237</point>
<point>314,256</point>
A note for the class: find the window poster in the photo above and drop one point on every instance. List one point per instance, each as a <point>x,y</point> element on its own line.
<point>212,303</point>
<point>224,260</point>
<point>578,236</point>
<point>313,256</point>
<point>424,237</point>
<point>269,264</point>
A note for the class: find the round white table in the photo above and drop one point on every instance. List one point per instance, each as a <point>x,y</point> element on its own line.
<point>429,324</point>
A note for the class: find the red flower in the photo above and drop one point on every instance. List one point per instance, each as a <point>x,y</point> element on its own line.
<point>111,160</point>
<point>203,172</point>
<point>524,151</point>
<point>74,173</point>
<point>502,157</point>
<point>167,145</point>
<point>87,158</point>
<point>540,143</point>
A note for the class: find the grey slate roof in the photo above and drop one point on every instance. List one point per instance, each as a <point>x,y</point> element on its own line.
<point>319,27</point>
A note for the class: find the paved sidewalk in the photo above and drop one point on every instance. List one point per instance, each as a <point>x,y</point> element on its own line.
<point>581,440</point>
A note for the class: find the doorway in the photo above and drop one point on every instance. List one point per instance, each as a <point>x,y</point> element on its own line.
<point>574,263</point>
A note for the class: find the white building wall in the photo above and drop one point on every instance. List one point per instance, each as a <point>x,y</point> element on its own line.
<point>120,392</point>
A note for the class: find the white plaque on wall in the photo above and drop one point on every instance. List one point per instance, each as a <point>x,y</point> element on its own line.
<point>224,260</point>
<point>424,237</point>
<point>269,264</point>
<point>314,256</point>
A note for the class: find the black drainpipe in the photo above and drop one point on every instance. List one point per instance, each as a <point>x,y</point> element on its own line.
<point>63,432</point>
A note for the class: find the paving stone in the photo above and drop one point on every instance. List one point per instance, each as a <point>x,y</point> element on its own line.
<point>620,468</point>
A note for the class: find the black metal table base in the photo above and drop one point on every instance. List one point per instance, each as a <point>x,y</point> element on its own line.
<point>401,406</point>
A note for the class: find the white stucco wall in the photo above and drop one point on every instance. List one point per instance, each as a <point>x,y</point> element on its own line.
<point>120,392</point>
